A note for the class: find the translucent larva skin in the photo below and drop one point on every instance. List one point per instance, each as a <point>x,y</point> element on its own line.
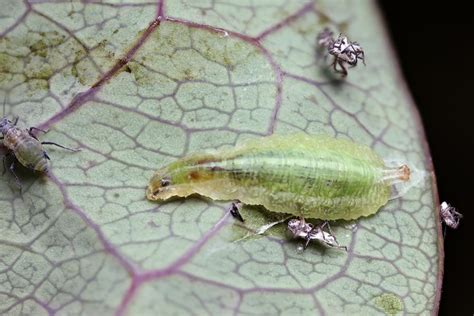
<point>310,176</point>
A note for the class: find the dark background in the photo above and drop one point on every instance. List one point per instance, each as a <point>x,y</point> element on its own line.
<point>435,46</point>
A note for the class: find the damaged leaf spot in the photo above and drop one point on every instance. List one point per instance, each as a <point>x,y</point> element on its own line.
<point>389,303</point>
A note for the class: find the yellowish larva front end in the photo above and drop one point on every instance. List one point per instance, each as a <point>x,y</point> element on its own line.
<point>180,178</point>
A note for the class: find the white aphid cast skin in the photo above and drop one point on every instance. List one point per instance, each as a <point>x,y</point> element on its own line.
<point>449,216</point>
<point>309,232</point>
<point>343,50</point>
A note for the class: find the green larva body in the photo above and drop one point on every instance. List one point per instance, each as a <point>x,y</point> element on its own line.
<point>309,176</point>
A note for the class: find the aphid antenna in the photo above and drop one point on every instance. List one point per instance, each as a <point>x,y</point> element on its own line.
<point>3,120</point>
<point>4,105</point>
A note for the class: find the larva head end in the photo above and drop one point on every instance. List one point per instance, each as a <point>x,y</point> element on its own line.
<point>152,194</point>
<point>159,187</point>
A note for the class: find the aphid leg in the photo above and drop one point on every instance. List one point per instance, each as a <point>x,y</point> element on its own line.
<point>326,224</point>
<point>330,234</point>
<point>12,170</point>
<point>15,121</point>
<point>363,57</point>
<point>334,64</point>
<point>46,155</point>
<point>36,129</point>
<point>339,62</point>
<point>307,239</point>
<point>31,129</point>
<point>7,156</point>
<point>51,143</point>
<point>235,210</point>
<point>324,236</point>
<point>309,236</point>
<point>302,222</point>
<point>4,164</point>
<point>343,70</point>
<point>330,238</point>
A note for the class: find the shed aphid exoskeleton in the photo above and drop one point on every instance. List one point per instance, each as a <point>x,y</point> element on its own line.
<point>318,177</point>
<point>343,50</point>
<point>325,38</point>
<point>308,232</point>
<point>23,145</point>
<point>449,216</point>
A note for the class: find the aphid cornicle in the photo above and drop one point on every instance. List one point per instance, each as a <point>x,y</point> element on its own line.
<point>25,147</point>
<point>317,177</point>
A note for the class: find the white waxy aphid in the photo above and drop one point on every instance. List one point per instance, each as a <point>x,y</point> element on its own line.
<point>325,38</point>
<point>308,231</point>
<point>343,50</point>
<point>449,215</point>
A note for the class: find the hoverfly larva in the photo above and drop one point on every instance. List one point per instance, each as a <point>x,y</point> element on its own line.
<point>23,145</point>
<point>307,176</point>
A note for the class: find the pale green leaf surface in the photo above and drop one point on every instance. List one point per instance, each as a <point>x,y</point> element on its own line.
<point>136,85</point>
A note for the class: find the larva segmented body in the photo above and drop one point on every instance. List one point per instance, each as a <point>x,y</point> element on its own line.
<point>308,176</point>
